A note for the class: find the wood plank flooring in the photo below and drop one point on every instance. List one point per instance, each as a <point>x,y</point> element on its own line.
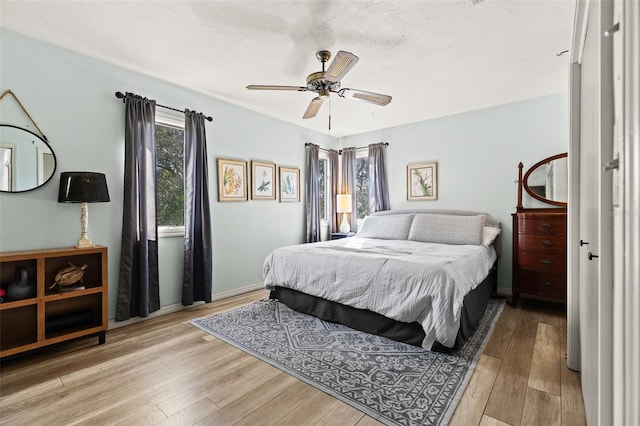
<point>165,371</point>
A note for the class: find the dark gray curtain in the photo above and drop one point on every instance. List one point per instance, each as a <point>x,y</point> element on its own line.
<point>348,183</point>
<point>313,194</point>
<point>378,188</point>
<point>198,257</point>
<point>334,188</point>
<point>138,290</point>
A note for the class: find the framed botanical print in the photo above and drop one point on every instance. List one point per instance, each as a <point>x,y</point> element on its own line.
<point>232,180</point>
<point>422,181</point>
<point>263,181</point>
<point>289,184</point>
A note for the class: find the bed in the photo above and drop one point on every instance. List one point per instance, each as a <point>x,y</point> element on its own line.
<point>421,277</point>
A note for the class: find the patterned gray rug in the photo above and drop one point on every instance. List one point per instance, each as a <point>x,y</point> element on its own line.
<point>390,381</point>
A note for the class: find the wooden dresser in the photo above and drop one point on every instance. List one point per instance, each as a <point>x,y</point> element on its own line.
<point>540,254</point>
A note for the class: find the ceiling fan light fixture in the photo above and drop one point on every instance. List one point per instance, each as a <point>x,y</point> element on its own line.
<point>323,93</point>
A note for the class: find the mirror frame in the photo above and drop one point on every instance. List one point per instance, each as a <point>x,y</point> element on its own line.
<point>525,179</point>
<point>55,160</point>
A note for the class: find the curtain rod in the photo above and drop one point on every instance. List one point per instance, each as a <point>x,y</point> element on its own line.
<point>121,95</point>
<point>340,151</point>
<point>320,148</point>
<point>362,147</point>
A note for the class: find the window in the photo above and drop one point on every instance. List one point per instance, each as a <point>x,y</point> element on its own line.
<point>362,187</point>
<point>323,186</point>
<point>170,176</point>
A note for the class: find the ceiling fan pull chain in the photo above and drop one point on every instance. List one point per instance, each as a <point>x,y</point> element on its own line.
<point>329,116</point>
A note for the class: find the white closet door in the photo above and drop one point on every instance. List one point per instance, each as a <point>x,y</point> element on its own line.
<point>596,218</point>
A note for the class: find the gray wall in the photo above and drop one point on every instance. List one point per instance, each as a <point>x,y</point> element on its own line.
<point>71,97</point>
<point>478,154</point>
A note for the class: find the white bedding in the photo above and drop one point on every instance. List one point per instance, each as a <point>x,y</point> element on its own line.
<point>408,281</point>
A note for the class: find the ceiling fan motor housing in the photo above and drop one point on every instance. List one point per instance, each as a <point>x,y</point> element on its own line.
<point>316,82</point>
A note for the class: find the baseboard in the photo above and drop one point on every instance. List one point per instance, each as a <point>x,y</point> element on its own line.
<point>176,307</point>
<point>503,291</point>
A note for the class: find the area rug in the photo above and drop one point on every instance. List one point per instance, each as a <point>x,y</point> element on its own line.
<point>393,382</point>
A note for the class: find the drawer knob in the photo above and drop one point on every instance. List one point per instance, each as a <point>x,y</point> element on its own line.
<point>547,243</point>
<point>547,284</point>
<point>547,262</point>
<point>545,225</point>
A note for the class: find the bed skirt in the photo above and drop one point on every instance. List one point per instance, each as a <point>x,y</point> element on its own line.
<point>474,305</point>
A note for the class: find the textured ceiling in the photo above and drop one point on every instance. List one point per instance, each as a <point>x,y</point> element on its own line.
<point>435,57</point>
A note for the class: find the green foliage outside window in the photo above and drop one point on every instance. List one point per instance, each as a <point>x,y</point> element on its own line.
<point>362,187</point>
<point>170,175</point>
<point>322,167</point>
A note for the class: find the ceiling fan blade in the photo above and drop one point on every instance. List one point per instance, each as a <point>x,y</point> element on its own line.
<point>340,66</point>
<point>268,87</point>
<point>374,98</point>
<point>313,107</point>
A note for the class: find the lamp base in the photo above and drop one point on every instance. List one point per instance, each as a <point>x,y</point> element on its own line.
<point>84,242</point>
<point>344,226</point>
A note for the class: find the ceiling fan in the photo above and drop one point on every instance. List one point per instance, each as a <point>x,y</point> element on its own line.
<point>324,82</point>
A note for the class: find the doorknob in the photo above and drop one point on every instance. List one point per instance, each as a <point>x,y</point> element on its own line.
<point>591,256</point>
<point>583,243</point>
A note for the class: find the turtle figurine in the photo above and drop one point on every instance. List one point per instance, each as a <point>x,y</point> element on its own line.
<point>69,276</point>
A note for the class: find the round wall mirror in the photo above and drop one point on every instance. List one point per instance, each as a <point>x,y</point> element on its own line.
<point>26,159</point>
<point>547,180</point>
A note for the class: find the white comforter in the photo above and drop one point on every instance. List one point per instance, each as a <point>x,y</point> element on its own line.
<point>405,280</point>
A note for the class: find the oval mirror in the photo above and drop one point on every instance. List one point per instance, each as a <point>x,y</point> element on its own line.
<point>547,180</point>
<point>26,160</point>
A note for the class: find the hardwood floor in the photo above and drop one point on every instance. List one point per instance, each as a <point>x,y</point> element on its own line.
<point>165,371</point>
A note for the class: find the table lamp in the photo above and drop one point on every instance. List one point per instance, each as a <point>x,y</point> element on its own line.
<point>343,202</point>
<point>83,187</point>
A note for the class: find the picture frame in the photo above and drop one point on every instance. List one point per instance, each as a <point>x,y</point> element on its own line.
<point>263,180</point>
<point>289,184</point>
<point>232,180</point>
<point>422,181</point>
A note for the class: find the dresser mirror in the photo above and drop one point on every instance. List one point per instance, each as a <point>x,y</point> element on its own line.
<point>27,161</point>
<point>547,180</point>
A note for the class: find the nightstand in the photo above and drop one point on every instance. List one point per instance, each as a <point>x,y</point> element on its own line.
<point>339,235</point>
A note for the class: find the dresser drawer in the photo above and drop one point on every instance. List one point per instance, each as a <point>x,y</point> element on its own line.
<point>542,262</point>
<point>542,225</point>
<point>543,284</point>
<point>540,243</point>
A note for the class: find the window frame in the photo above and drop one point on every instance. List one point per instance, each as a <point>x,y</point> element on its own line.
<point>171,119</point>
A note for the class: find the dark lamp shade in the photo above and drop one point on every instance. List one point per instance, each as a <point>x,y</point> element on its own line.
<point>83,187</point>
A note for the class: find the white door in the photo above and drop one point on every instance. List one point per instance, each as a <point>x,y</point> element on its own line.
<point>626,188</point>
<point>596,217</point>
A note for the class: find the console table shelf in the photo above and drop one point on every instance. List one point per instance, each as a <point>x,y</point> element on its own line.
<point>51,316</point>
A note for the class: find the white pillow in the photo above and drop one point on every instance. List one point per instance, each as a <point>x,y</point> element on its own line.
<point>386,227</point>
<point>447,229</point>
<point>489,235</point>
